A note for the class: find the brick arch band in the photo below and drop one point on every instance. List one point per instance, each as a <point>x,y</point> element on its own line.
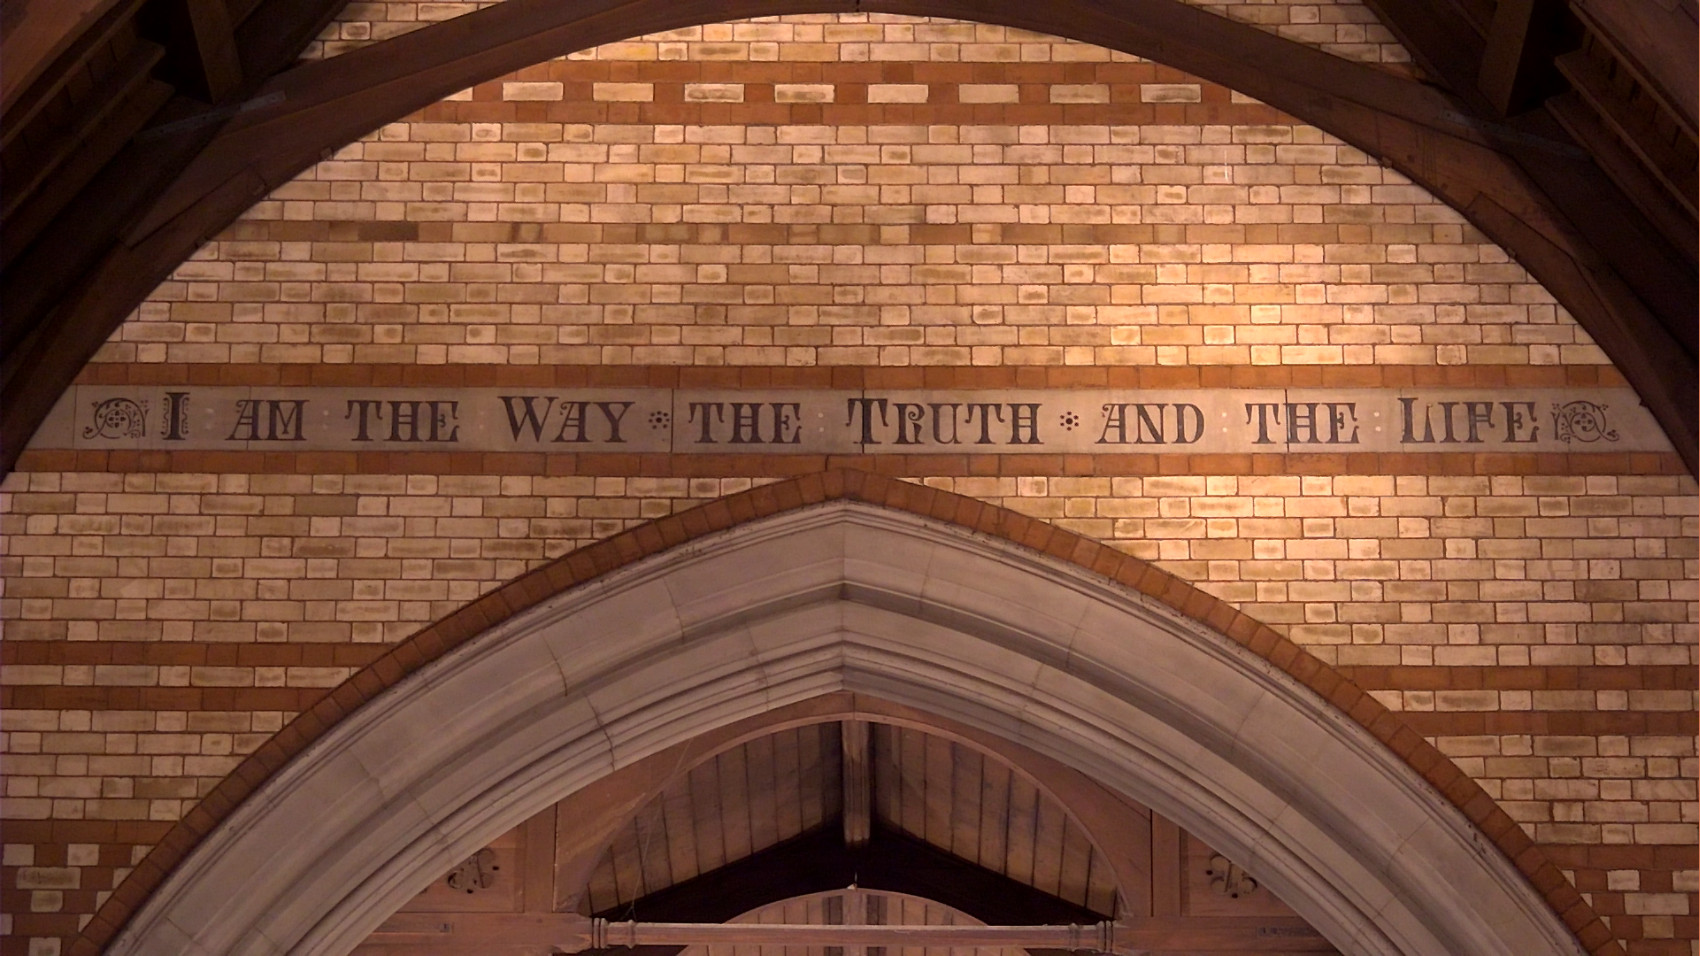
<point>848,581</point>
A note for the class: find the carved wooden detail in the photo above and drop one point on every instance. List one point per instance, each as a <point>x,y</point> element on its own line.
<point>1229,878</point>
<point>477,873</point>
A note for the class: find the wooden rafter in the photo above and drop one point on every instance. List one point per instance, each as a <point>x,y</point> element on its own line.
<point>219,60</point>
<point>1636,129</point>
<point>1656,41</point>
<point>1517,60</point>
<point>858,783</point>
<point>133,96</point>
<point>1663,201</point>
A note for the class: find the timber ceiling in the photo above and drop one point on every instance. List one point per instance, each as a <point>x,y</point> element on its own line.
<point>132,130</point>
<point>922,786</point>
<point>848,823</point>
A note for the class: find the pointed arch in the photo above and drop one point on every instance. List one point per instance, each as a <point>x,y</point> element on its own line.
<point>833,582</point>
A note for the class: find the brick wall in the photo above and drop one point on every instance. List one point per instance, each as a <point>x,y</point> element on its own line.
<point>1004,210</point>
<point>1090,210</point>
<point>1345,28</point>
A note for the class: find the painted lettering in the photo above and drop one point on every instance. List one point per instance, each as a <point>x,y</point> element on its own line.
<point>269,419</point>
<point>410,421</point>
<point>1151,423</point>
<point>753,423</point>
<point>525,414</point>
<point>177,416</point>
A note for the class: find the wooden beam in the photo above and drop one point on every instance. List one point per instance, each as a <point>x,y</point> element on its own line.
<point>68,183</point>
<point>1447,39</point>
<point>429,934</point>
<point>23,103</point>
<point>1647,282</point>
<point>215,46</point>
<point>534,933</point>
<point>1656,41</point>
<point>1650,193</point>
<point>537,863</point>
<point>1516,63</point>
<point>1097,937</point>
<point>1673,169</point>
<point>129,96</point>
<point>271,34</point>
<point>856,773</point>
<point>819,861</point>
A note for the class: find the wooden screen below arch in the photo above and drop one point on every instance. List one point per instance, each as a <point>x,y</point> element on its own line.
<point>728,813</point>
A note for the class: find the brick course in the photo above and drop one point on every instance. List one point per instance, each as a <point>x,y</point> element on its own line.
<point>1345,28</point>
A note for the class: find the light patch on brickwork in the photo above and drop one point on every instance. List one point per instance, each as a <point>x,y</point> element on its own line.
<point>464,236</point>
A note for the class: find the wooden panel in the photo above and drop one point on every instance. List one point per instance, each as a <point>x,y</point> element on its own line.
<point>624,857</point>
<point>705,816</point>
<point>763,798</point>
<point>994,813</point>
<point>1517,62</point>
<point>1632,116</point>
<point>855,907</point>
<point>963,802</point>
<point>939,768</point>
<point>723,810</point>
<point>537,873</point>
<point>734,803</point>
<point>966,788</point>
<point>911,767</point>
<point>683,854</point>
<point>24,100</point>
<point>1022,831</point>
<point>1048,826</point>
<point>1074,878</point>
<point>1675,220</point>
<point>817,747</point>
<point>788,781</point>
<point>32,158</point>
<point>653,856</point>
<point>1165,867</point>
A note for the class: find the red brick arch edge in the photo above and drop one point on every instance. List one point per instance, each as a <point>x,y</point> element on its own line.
<point>595,560</point>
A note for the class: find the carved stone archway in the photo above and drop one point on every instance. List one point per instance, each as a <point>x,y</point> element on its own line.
<point>1031,634</point>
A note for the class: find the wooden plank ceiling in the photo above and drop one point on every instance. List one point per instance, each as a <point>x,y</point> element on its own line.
<point>762,832</point>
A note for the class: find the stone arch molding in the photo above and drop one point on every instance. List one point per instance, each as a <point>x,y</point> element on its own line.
<point>846,596</point>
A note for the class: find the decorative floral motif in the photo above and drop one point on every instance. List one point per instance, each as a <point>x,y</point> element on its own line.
<point>660,420</point>
<point>1070,421</point>
<point>1228,879</point>
<point>118,418</point>
<point>476,872</point>
<point>1581,421</point>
